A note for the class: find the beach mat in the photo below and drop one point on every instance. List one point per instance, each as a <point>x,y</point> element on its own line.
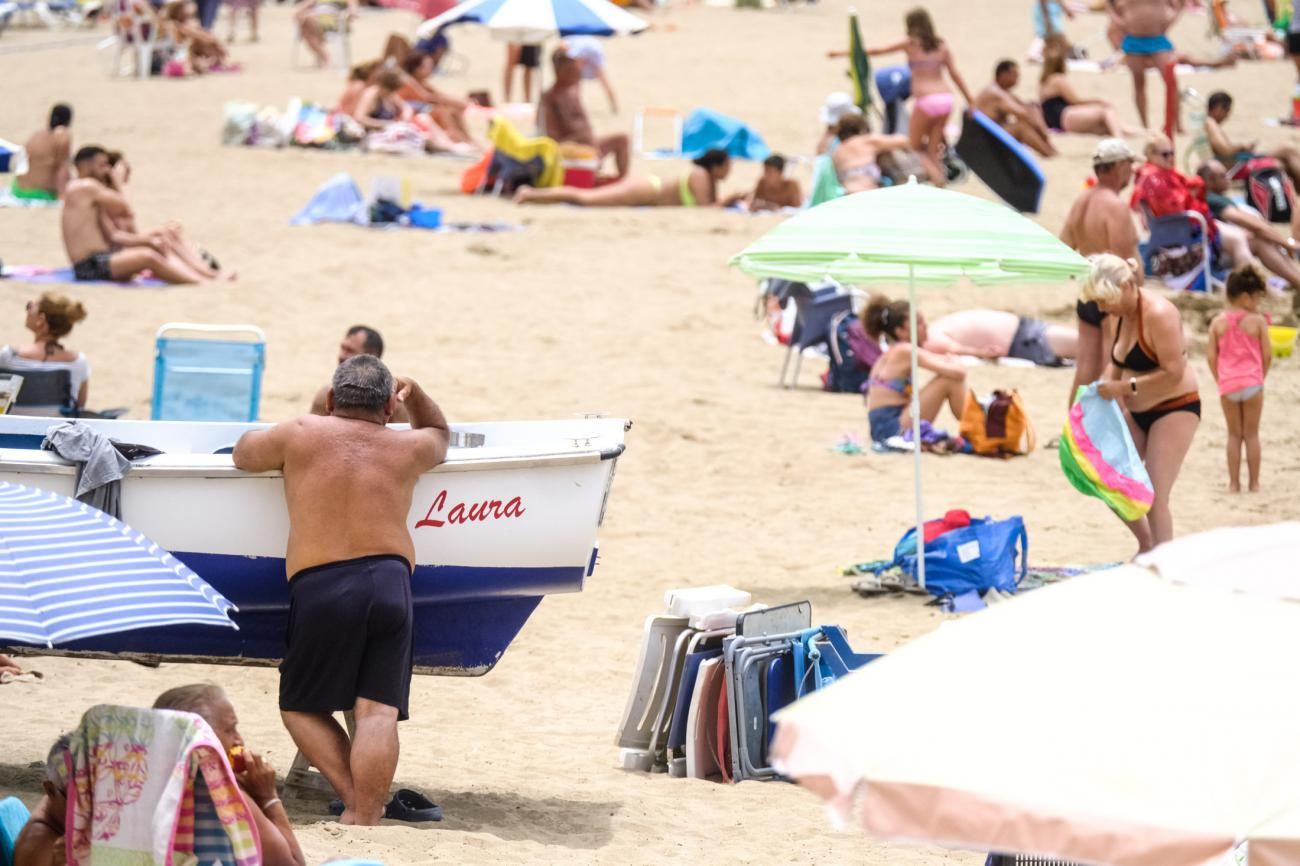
<point>1004,164</point>
<point>41,275</point>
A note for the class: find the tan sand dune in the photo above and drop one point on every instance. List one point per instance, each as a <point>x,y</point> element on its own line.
<point>634,313</point>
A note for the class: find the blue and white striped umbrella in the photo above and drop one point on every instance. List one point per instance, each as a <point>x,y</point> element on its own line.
<point>534,21</point>
<point>69,571</point>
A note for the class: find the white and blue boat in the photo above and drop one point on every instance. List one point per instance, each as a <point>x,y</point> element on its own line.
<point>511,516</point>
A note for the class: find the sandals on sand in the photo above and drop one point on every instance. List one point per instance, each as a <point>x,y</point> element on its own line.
<point>406,805</point>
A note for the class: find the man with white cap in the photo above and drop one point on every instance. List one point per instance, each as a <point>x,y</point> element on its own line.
<point>837,105</point>
<point>1100,221</point>
<point>590,55</point>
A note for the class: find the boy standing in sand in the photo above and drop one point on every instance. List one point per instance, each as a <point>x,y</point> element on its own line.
<point>1146,45</point>
<point>348,481</point>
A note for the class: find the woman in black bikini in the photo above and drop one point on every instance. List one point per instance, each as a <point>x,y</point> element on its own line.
<point>1065,110</point>
<point>1148,371</point>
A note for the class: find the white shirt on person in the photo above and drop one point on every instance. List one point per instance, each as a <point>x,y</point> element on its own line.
<point>78,368</point>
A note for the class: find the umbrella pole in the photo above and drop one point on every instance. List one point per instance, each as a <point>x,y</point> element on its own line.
<point>916,427</point>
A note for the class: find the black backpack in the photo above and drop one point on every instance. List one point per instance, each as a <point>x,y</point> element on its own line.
<point>1269,190</point>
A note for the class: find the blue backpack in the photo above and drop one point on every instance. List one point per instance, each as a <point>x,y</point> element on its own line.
<point>978,557</point>
<point>852,353</point>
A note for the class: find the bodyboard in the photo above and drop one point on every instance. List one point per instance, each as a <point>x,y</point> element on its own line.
<point>1004,164</point>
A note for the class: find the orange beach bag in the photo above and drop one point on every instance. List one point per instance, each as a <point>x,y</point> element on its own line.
<point>998,426</point>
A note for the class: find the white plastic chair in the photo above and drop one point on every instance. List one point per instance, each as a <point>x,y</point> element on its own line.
<point>131,30</point>
<point>338,35</point>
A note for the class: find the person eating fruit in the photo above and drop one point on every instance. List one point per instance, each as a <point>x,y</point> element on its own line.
<point>255,776</point>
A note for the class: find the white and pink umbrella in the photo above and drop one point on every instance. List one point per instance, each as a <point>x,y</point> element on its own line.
<point>1144,716</point>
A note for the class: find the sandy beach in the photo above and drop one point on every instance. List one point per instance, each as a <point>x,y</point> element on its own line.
<point>632,313</point>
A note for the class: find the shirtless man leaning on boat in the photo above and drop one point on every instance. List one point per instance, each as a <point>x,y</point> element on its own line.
<point>348,481</point>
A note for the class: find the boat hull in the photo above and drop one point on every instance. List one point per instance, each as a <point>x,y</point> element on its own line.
<point>495,530</point>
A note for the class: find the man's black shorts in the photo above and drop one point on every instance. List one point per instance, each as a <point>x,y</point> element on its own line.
<point>530,56</point>
<point>350,635</point>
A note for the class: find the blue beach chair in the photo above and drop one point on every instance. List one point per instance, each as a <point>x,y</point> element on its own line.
<point>208,378</point>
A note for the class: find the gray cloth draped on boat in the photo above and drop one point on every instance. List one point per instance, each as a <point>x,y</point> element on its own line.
<point>100,466</point>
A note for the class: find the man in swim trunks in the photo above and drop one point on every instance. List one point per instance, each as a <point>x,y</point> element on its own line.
<point>100,251</point>
<point>774,190</point>
<point>47,159</point>
<point>1100,221</point>
<point>565,120</point>
<point>1235,154</point>
<point>855,159</point>
<point>1146,45</point>
<point>359,340</point>
<point>996,334</point>
<point>348,481</point>
<point>1024,121</point>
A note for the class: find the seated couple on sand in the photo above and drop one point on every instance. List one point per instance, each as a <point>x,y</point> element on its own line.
<point>101,238</point>
<point>381,95</point>
<point>696,188</point>
<point>42,839</point>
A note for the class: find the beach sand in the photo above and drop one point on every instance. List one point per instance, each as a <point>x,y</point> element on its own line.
<point>634,313</point>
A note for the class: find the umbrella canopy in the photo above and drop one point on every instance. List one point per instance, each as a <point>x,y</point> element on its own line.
<point>1143,716</point>
<point>69,571</point>
<point>913,234</point>
<point>533,21</point>
<point>937,235</point>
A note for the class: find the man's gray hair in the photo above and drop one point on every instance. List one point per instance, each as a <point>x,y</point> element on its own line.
<point>362,384</point>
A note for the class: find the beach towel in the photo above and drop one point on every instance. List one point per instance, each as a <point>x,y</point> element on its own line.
<point>13,817</point>
<point>131,799</point>
<point>339,200</point>
<point>705,129</point>
<point>1099,457</point>
<point>826,182</point>
<point>43,275</point>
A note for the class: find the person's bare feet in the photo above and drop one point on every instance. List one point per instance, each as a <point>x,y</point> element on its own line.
<point>1254,487</point>
<point>1234,487</point>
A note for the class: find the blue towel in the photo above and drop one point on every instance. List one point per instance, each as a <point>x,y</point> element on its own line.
<point>706,129</point>
<point>337,201</point>
<point>13,817</point>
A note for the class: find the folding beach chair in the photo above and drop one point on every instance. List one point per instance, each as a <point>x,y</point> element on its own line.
<point>659,114</point>
<point>207,378</point>
<point>49,392</point>
<point>1186,230</point>
<point>814,311</point>
<point>644,724</point>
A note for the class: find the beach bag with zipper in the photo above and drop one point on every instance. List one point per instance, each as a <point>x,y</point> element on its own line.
<point>1269,189</point>
<point>987,554</point>
<point>852,355</point>
<point>997,426</point>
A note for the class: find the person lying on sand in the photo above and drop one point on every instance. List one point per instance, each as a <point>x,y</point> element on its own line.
<point>1024,121</point>
<point>255,776</point>
<point>98,249</point>
<point>856,158</point>
<point>359,340</point>
<point>47,159</point>
<point>996,334</point>
<point>9,666</point>
<point>565,120</point>
<point>774,190</point>
<point>699,188</point>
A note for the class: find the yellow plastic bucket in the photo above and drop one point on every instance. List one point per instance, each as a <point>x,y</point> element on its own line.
<point>1283,340</point>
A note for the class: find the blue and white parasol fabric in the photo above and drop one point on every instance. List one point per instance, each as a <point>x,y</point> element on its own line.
<point>534,21</point>
<point>69,571</point>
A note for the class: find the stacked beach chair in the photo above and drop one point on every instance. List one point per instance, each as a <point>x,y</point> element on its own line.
<point>712,670</point>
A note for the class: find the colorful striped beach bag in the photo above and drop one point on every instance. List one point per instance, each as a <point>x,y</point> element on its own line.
<point>1098,456</point>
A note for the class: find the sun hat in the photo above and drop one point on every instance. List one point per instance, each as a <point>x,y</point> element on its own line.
<point>837,105</point>
<point>1111,151</point>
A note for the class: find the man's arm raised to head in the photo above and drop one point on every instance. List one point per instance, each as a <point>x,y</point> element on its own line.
<point>263,450</point>
<point>428,425</point>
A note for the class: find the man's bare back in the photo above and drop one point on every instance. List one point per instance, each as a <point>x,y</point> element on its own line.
<point>565,118</point>
<point>47,160</point>
<point>348,480</point>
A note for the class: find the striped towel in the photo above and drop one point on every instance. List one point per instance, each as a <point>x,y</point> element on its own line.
<point>135,796</point>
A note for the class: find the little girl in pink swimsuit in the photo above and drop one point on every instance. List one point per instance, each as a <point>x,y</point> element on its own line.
<point>1239,354</point>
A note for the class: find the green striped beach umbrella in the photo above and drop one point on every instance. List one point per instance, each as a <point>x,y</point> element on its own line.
<point>859,66</point>
<point>914,235</point>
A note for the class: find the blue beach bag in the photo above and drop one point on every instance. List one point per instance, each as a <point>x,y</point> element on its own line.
<point>978,557</point>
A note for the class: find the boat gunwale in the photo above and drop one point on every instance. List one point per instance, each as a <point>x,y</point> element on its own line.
<point>34,462</point>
